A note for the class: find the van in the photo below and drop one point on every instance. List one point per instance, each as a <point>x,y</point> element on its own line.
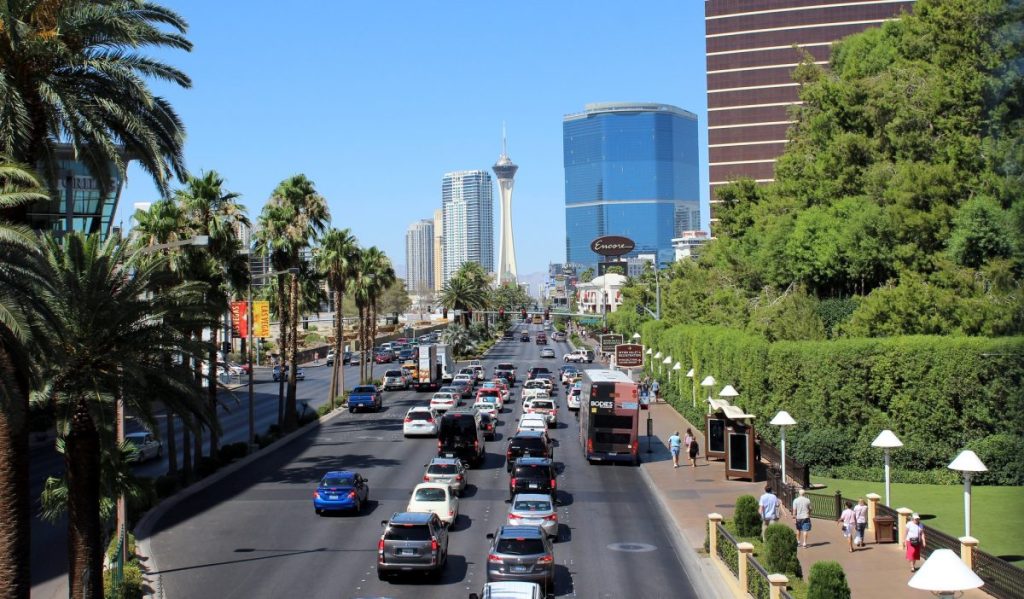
<point>459,436</point>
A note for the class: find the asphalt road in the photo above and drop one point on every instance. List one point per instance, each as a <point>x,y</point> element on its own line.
<point>255,534</point>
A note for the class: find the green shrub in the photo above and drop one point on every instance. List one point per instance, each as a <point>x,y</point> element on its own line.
<point>827,581</point>
<point>1003,455</point>
<point>748,522</point>
<point>131,586</point>
<point>166,485</point>
<point>780,550</point>
<point>325,409</point>
<point>936,476</point>
<point>112,546</point>
<point>233,451</point>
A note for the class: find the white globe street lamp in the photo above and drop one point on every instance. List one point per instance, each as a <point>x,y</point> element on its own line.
<point>657,362</point>
<point>708,382</point>
<point>693,385</point>
<point>636,336</point>
<point>887,440</point>
<point>967,462</point>
<point>667,362</point>
<point>945,575</point>
<point>782,420</point>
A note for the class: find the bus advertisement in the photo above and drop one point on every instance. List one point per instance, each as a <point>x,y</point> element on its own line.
<point>609,417</point>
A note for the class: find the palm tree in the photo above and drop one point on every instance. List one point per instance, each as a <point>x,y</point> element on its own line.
<point>467,290</point>
<point>374,274</point>
<point>292,220</point>
<point>20,302</point>
<point>111,335</point>
<point>337,259</point>
<point>71,70</point>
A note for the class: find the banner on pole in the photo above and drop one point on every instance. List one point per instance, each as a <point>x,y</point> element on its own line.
<point>261,319</point>
<point>240,318</point>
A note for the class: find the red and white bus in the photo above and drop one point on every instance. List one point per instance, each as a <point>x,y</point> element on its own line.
<point>609,417</point>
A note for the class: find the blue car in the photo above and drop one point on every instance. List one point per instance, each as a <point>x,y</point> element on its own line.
<point>340,491</point>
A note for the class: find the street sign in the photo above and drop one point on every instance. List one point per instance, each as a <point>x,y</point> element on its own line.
<point>609,341</point>
<point>261,319</point>
<point>629,355</point>
<point>240,318</point>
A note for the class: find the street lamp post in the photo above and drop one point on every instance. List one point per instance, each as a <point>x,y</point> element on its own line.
<point>945,574</point>
<point>887,440</point>
<point>657,362</point>
<point>690,374</point>
<point>782,420</point>
<point>667,362</point>
<point>968,463</point>
<point>708,383</point>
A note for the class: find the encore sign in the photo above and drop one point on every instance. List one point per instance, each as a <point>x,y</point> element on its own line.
<point>629,355</point>
<point>612,245</point>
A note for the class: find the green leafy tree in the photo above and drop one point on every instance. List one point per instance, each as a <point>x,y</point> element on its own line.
<point>467,290</point>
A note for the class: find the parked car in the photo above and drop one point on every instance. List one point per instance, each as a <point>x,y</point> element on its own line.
<point>412,542</point>
<point>146,446</point>
<point>534,509</point>
<point>420,420</point>
<point>437,498</point>
<point>366,397</point>
<point>533,475</point>
<point>521,553</point>
<point>356,358</point>
<point>395,379</point>
<point>527,444</point>
<point>449,471</point>
<point>341,490</point>
<point>300,374</point>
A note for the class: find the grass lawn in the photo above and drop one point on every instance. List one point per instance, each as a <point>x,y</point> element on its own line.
<point>997,513</point>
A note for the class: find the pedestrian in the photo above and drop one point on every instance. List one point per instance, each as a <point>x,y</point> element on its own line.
<point>692,448</point>
<point>316,359</point>
<point>915,542</point>
<point>848,522</point>
<point>674,443</point>
<point>654,389</point>
<point>802,515</point>
<point>861,512</point>
<point>768,509</point>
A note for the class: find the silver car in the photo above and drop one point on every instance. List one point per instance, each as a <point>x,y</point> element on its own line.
<point>532,509</point>
<point>447,470</point>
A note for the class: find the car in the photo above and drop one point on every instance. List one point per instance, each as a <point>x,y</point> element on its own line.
<point>486,405</point>
<point>329,360</point>
<point>527,444</point>
<point>502,385</point>
<point>542,338</point>
<point>535,371</point>
<point>521,553</point>
<point>492,392</point>
<point>407,354</point>
<point>442,402</point>
<point>470,372</point>
<point>478,371</point>
<point>465,378</point>
<point>449,471</point>
<point>300,375</point>
<point>475,363</point>
<point>459,436</point>
<point>383,357</point>
<point>547,352</point>
<point>507,371</point>
<point>533,475</point>
<point>509,590</point>
<point>566,372</point>
<point>544,406</point>
<point>535,391</point>
<point>533,422</point>
<point>341,490</point>
<point>420,420</point>
<point>395,379</point>
<point>437,498</point>
<point>234,369</point>
<point>524,336</point>
<point>577,355</point>
<point>146,445</point>
<point>549,380</point>
<point>412,542</point>
<point>534,509</point>
<point>558,336</point>
<point>356,358</point>
<point>488,424</point>
<point>508,335</point>
<point>366,396</point>
<point>572,401</point>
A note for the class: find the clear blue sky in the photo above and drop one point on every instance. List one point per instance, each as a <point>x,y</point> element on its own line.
<point>374,101</point>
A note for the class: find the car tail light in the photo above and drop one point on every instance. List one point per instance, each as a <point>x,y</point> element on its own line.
<point>551,517</point>
<point>434,546</point>
<point>512,482</point>
<point>493,559</point>
<point>351,494</point>
<point>407,419</point>
<point>547,559</point>
<point>476,443</point>
<point>458,477</point>
<point>380,550</point>
<point>316,494</point>
<point>430,421</point>
<point>426,478</point>
<point>553,484</point>
<point>635,448</point>
<point>439,445</point>
<point>590,445</point>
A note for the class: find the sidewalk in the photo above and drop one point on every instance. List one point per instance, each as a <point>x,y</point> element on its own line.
<point>693,493</point>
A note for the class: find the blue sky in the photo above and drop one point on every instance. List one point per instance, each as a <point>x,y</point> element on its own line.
<point>374,101</point>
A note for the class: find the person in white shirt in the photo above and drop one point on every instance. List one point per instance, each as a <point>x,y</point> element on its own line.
<point>802,515</point>
<point>915,541</point>
<point>860,511</point>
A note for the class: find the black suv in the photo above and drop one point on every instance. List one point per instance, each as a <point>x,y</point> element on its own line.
<point>507,371</point>
<point>533,475</point>
<point>509,335</point>
<point>521,553</point>
<point>412,542</point>
<point>527,444</point>
<point>459,437</point>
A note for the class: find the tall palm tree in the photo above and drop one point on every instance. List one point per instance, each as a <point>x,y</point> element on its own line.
<point>110,336</point>
<point>21,301</point>
<point>292,220</point>
<point>337,258</point>
<point>374,275</point>
<point>72,70</point>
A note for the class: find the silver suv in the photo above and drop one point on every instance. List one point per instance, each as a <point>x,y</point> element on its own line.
<point>521,553</point>
<point>449,471</point>
<point>412,542</point>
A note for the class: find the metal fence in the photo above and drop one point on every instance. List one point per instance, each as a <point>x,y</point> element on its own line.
<point>757,579</point>
<point>1002,579</point>
<point>796,471</point>
<point>727,550</point>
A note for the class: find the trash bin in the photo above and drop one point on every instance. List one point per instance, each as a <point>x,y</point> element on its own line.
<point>885,529</point>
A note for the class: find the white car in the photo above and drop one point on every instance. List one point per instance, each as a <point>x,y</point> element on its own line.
<point>573,400</point>
<point>531,509</point>
<point>543,406</point>
<point>420,420</point>
<point>146,446</point>
<point>509,590</point>
<point>437,498</point>
<point>547,352</point>
<point>486,405</point>
<point>536,422</point>
<point>442,402</point>
<point>534,392</point>
<point>467,378</point>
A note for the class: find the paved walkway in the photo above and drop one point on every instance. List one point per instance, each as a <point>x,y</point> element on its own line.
<point>692,493</point>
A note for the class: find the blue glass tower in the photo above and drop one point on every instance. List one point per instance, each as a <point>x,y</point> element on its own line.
<point>630,169</point>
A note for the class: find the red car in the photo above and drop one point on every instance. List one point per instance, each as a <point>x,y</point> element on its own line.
<point>384,357</point>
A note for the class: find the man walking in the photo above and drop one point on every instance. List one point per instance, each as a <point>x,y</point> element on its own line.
<point>802,515</point>
<point>768,509</point>
<point>674,444</point>
<point>654,389</point>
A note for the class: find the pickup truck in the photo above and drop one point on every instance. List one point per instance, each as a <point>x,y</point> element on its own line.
<point>366,397</point>
<point>577,355</point>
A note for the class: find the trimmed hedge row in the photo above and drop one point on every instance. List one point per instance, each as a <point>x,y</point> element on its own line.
<point>938,394</point>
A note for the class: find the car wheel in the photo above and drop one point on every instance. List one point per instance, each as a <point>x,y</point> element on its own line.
<point>351,410</point>
<point>359,507</point>
<point>319,512</point>
<point>382,575</point>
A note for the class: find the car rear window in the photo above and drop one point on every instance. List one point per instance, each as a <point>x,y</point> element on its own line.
<point>506,366</point>
<point>532,471</point>
<point>532,506</point>
<point>443,469</point>
<point>541,404</point>
<point>363,389</point>
<point>419,415</point>
<point>337,481</point>
<point>394,373</point>
<point>408,532</point>
<point>534,445</point>
<point>430,495</point>
<point>516,546</point>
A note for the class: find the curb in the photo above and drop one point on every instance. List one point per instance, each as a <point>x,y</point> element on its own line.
<point>143,532</point>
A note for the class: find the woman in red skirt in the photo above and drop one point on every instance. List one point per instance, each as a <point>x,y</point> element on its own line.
<point>915,541</point>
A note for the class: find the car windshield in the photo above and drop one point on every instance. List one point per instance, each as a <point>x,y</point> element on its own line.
<point>337,481</point>
<point>430,494</point>
<point>541,405</point>
<point>408,532</point>
<point>518,546</point>
<point>532,506</point>
<point>443,469</point>
<point>363,389</point>
<point>505,366</point>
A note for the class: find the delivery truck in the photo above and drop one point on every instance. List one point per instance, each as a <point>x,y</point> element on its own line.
<point>428,370</point>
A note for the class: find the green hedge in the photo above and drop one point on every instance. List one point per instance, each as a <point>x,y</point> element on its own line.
<point>827,581</point>
<point>938,394</point>
<point>748,521</point>
<point>780,550</point>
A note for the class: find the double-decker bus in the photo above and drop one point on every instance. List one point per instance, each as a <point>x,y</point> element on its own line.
<point>609,417</point>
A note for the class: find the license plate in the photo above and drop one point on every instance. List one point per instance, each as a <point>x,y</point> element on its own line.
<point>406,552</point>
<point>518,569</point>
<point>533,485</point>
<point>332,497</point>
<point>613,453</point>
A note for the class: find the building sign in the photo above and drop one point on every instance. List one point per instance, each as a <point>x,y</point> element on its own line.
<point>261,319</point>
<point>629,355</point>
<point>618,267</point>
<point>240,318</point>
<point>608,342</point>
<point>612,245</point>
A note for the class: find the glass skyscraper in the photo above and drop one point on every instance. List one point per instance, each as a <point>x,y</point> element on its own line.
<point>631,169</point>
<point>467,205</point>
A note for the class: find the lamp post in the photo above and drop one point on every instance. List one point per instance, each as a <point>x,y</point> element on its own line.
<point>967,462</point>
<point>693,385</point>
<point>657,362</point>
<point>668,362</point>
<point>782,420</point>
<point>677,366</point>
<point>945,575</point>
<point>887,440</point>
<point>708,382</point>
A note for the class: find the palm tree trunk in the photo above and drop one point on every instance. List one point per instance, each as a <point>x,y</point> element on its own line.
<point>172,445</point>
<point>340,353</point>
<point>15,504</point>
<point>373,332</point>
<point>290,421</point>
<point>283,325</point>
<point>338,359</point>
<point>197,457</point>
<point>85,535</point>
<point>211,388</point>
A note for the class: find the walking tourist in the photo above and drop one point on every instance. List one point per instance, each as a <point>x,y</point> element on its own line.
<point>802,515</point>
<point>768,509</point>
<point>861,512</point>
<point>692,447</point>
<point>674,443</point>
<point>915,542</point>
<point>848,522</point>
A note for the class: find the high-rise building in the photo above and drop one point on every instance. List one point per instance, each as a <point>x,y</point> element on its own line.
<point>630,169</point>
<point>468,221</point>
<point>505,170</point>
<point>419,256</point>
<point>438,256</point>
<point>752,49</point>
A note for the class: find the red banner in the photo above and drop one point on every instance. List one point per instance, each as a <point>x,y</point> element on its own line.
<point>240,319</point>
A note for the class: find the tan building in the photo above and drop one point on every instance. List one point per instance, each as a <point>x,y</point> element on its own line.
<point>438,237</point>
